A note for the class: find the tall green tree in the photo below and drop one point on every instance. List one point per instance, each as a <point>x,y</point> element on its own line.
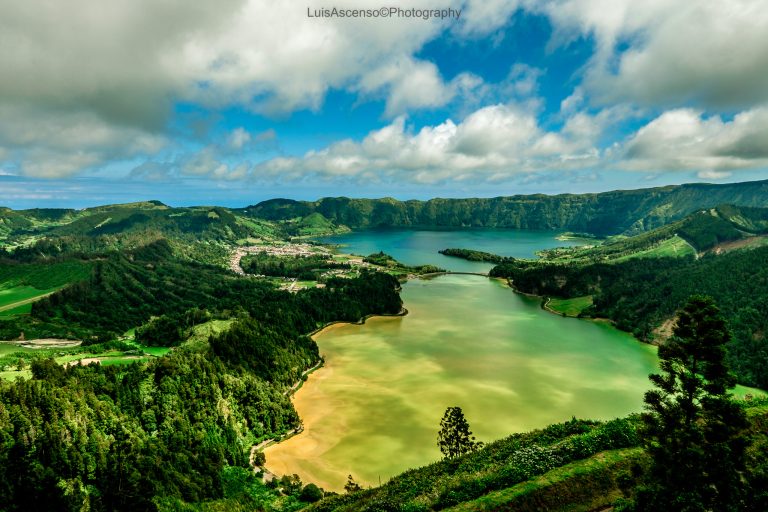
<point>692,427</point>
<point>455,438</point>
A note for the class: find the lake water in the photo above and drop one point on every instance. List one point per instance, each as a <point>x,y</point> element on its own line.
<point>419,247</point>
<point>374,410</point>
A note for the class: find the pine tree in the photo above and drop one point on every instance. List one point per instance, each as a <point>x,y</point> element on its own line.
<point>455,438</point>
<point>352,486</point>
<point>692,428</point>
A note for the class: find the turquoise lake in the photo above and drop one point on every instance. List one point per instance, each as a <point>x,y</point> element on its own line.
<point>419,247</point>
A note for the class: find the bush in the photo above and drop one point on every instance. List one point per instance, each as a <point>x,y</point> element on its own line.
<point>311,493</point>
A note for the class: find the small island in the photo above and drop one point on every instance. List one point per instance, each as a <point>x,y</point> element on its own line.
<point>472,255</point>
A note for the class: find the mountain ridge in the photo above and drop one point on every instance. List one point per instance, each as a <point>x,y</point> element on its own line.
<point>603,213</point>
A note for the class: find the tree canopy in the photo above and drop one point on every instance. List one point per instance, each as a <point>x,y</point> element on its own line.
<point>455,438</point>
<point>692,428</point>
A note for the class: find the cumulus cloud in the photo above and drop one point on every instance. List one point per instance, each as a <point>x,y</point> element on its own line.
<point>88,83</point>
<point>62,145</point>
<point>124,64</point>
<point>662,53</point>
<point>491,144</point>
<point>226,159</point>
<point>498,142</point>
<point>686,139</point>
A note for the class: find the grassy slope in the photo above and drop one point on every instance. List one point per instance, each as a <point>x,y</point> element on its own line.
<point>199,233</point>
<point>569,307</point>
<point>497,466</point>
<point>580,486</point>
<point>22,284</point>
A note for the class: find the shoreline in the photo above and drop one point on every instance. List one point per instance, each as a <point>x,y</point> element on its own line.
<point>290,392</point>
<point>544,305</point>
<point>361,321</point>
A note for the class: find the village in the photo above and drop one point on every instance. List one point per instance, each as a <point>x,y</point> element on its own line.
<point>302,250</point>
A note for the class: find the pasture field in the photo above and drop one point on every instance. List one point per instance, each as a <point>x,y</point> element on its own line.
<point>570,307</point>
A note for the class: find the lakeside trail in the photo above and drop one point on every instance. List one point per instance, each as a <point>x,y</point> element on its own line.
<point>268,475</point>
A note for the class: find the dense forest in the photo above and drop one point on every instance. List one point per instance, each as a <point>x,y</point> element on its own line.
<point>171,430</point>
<point>109,438</point>
<point>472,255</point>
<point>608,213</point>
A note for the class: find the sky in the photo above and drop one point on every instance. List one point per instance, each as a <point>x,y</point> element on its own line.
<point>231,102</point>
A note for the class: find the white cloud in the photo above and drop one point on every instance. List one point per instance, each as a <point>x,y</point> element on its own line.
<point>122,65</point>
<point>238,138</point>
<point>683,139</point>
<point>713,175</point>
<point>88,83</point>
<point>481,17</point>
<point>62,145</point>
<point>493,143</point>
<point>496,143</point>
<point>663,53</point>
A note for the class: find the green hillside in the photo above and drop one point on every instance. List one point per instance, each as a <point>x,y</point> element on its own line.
<point>608,213</point>
<point>198,233</point>
<point>698,232</point>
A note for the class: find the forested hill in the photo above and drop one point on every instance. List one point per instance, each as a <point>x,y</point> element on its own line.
<point>607,213</point>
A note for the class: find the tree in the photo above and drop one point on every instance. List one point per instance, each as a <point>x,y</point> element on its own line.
<point>352,486</point>
<point>455,438</point>
<point>311,493</point>
<point>692,429</point>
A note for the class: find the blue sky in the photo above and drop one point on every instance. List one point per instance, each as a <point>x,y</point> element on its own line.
<point>236,101</point>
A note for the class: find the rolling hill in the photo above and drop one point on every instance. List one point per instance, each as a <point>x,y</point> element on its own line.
<point>608,213</point>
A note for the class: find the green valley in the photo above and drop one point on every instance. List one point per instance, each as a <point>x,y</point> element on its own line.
<point>177,336</point>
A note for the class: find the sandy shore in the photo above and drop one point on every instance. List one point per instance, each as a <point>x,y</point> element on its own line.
<point>313,405</point>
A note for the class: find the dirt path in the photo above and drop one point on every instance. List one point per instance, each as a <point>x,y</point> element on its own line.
<point>298,383</point>
<point>25,301</point>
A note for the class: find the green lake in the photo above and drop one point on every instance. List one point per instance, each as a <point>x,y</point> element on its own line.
<point>374,409</point>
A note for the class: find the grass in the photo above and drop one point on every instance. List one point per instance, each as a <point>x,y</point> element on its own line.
<point>155,351</point>
<point>9,353</point>
<point>124,360</point>
<point>12,375</point>
<point>43,276</point>
<point>15,294</point>
<point>10,348</point>
<point>200,333</point>
<point>674,247</point>
<point>580,486</point>
<point>618,249</point>
<point>23,309</point>
<point>570,307</point>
